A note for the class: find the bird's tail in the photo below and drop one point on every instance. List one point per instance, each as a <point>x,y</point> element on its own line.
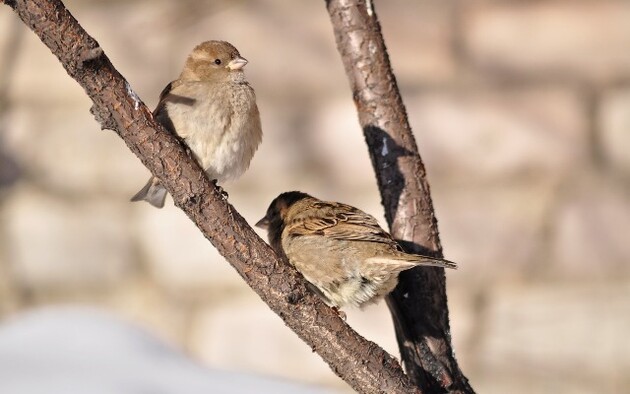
<point>153,193</point>
<point>407,261</point>
<point>434,262</point>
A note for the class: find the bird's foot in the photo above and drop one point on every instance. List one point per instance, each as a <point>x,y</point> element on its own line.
<point>224,194</point>
<point>341,313</point>
<point>189,152</point>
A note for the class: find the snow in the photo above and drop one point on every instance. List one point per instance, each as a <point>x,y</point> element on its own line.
<point>81,350</point>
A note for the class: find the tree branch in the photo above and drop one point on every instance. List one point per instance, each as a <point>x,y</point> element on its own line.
<point>361,363</point>
<point>418,305</point>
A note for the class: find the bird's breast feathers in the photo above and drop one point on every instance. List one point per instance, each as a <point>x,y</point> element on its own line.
<point>221,126</point>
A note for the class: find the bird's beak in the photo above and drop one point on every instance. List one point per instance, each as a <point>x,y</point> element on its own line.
<point>263,223</point>
<point>237,64</point>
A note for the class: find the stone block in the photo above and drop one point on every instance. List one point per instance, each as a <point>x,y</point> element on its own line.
<point>566,39</point>
<point>338,146</point>
<point>244,335</point>
<point>177,255</point>
<point>420,40</point>
<point>614,128</point>
<point>590,232</point>
<point>63,149</point>
<point>499,134</point>
<point>492,232</point>
<point>558,338</point>
<point>61,244</point>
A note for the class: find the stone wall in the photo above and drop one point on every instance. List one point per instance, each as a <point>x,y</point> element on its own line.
<point>521,110</point>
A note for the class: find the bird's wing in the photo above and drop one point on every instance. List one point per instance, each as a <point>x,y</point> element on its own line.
<point>341,222</point>
<point>160,106</point>
<point>170,95</point>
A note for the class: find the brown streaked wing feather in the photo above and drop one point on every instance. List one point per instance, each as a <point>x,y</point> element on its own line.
<point>167,89</point>
<point>167,95</point>
<point>339,221</point>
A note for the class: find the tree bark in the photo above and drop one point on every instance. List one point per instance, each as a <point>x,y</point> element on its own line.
<point>418,305</point>
<point>361,363</point>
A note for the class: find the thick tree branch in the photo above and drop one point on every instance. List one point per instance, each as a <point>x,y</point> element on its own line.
<point>418,305</point>
<point>361,363</point>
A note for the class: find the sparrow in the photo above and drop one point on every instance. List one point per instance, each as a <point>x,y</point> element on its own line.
<point>212,108</point>
<point>340,250</point>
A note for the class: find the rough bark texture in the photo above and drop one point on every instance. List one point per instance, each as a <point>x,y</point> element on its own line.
<point>418,305</point>
<point>361,363</point>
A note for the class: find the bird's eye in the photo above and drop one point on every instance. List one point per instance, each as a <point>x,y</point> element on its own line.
<point>217,62</point>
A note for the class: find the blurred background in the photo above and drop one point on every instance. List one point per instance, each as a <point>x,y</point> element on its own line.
<point>521,110</point>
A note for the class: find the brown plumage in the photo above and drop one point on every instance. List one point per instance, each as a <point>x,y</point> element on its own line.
<point>342,251</point>
<point>212,107</point>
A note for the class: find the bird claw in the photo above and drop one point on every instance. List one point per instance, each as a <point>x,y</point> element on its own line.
<point>340,313</point>
<point>224,194</point>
